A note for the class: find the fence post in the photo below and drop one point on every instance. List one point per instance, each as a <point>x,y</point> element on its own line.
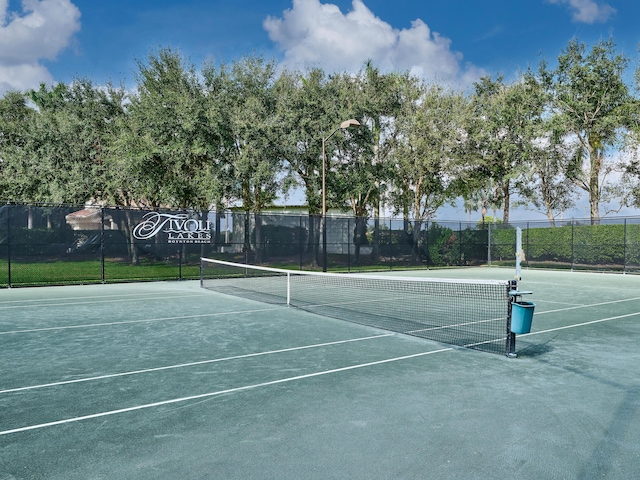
<point>102,246</point>
<point>460,244</point>
<point>349,244</point>
<point>301,239</point>
<point>247,236</point>
<point>390,246</point>
<point>9,246</point>
<point>489,244</point>
<point>624,248</point>
<point>426,247</point>
<point>572,243</point>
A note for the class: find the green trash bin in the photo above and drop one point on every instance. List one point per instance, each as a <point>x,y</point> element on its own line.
<point>521,317</point>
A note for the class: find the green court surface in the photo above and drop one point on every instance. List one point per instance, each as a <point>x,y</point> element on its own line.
<point>170,381</point>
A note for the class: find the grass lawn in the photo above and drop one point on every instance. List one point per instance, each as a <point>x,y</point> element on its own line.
<point>90,271</point>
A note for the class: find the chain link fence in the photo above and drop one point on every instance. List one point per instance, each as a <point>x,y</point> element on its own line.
<point>55,245</point>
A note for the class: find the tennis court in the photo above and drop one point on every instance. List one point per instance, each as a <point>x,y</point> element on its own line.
<point>168,380</point>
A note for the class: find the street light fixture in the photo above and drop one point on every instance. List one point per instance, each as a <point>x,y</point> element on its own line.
<point>343,126</point>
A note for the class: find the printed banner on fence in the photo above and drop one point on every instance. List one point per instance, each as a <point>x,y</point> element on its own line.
<point>179,227</point>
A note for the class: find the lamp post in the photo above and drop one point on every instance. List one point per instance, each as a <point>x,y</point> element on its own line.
<point>343,126</point>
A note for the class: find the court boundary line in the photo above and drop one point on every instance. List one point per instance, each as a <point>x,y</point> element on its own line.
<point>590,322</point>
<point>219,392</point>
<point>589,305</point>
<point>91,302</point>
<point>276,382</point>
<point>127,322</point>
<point>107,296</point>
<point>193,364</point>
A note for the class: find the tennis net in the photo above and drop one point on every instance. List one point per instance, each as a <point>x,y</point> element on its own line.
<point>466,313</point>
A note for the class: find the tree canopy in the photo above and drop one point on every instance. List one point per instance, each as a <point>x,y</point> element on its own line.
<point>242,134</point>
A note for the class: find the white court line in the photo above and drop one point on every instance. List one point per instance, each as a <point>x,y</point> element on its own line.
<point>219,392</point>
<point>576,307</point>
<point>275,382</point>
<point>617,317</point>
<point>614,276</point>
<point>92,302</point>
<point>126,322</point>
<point>33,300</point>
<point>192,364</point>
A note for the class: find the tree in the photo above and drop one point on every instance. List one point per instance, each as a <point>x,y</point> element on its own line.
<point>217,181</point>
<point>426,155</point>
<point>362,160</point>
<point>15,120</point>
<point>61,149</point>
<point>590,100</point>
<point>545,185</point>
<point>168,141</point>
<point>165,146</point>
<point>307,111</point>
<point>388,97</point>
<point>482,199</point>
<point>632,144</point>
<point>351,171</point>
<point>257,132</point>
<point>501,134</point>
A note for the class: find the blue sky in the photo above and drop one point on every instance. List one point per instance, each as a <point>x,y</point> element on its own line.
<point>452,41</point>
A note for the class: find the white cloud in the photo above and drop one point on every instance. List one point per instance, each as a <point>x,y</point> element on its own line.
<point>40,31</point>
<point>587,11</point>
<point>22,76</point>
<point>315,33</point>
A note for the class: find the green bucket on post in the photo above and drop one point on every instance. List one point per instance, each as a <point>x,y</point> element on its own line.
<point>521,317</point>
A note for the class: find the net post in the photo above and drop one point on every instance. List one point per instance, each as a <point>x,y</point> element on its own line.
<point>201,280</point>
<point>511,337</point>
<point>288,289</point>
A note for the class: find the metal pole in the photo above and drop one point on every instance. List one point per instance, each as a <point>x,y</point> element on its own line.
<point>460,260</point>
<point>511,337</point>
<point>344,125</point>
<point>489,244</point>
<point>624,248</point>
<point>9,246</point>
<point>324,208</point>
<point>300,241</point>
<point>102,246</point>
<point>572,243</point>
<point>348,244</point>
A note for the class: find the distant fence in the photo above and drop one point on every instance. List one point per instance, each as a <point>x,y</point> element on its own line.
<point>613,244</point>
<point>47,245</point>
